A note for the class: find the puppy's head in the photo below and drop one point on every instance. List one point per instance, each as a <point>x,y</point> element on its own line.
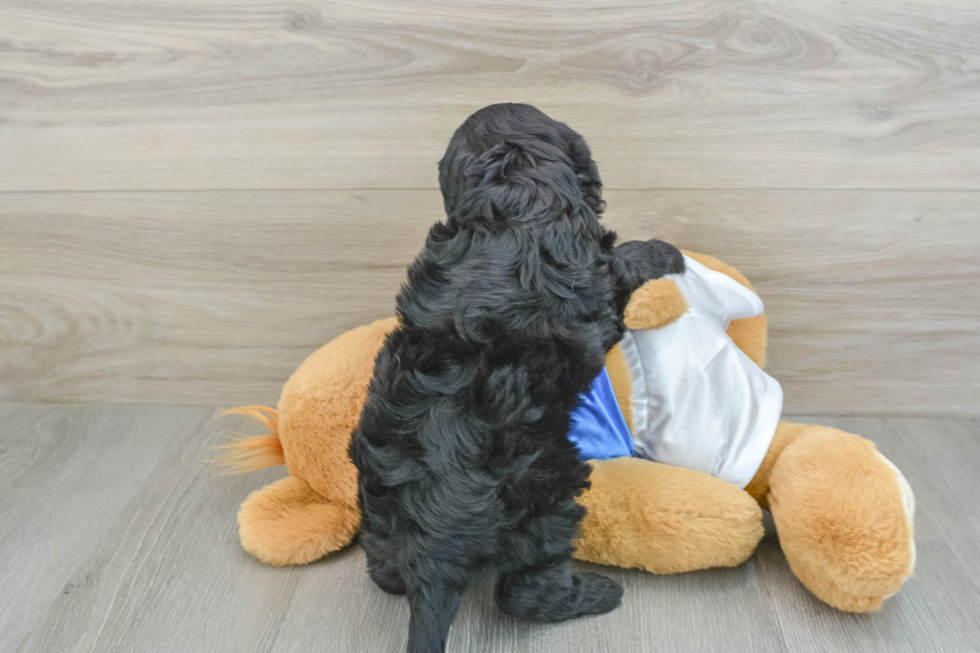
<point>510,161</point>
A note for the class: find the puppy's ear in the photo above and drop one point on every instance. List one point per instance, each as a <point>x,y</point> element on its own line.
<point>587,173</point>
<point>638,261</point>
<point>451,167</point>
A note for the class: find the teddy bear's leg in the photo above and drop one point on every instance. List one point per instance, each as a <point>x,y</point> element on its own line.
<point>321,406</point>
<point>288,523</point>
<point>665,519</point>
<point>844,516</point>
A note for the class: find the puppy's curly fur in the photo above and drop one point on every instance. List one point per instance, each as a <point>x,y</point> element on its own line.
<point>505,319</point>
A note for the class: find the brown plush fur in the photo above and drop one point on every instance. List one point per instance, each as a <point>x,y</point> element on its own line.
<point>619,375</point>
<point>253,453</point>
<point>288,523</point>
<point>665,519</point>
<point>320,406</point>
<point>758,487</point>
<point>836,502</point>
<point>313,511</point>
<point>851,554</point>
<point>841,522</point>
<point>655,304</point>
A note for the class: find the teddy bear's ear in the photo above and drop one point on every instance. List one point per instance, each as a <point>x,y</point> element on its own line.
<point>655,304</point>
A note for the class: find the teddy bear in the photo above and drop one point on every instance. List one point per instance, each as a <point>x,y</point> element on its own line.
<point>684,434</point>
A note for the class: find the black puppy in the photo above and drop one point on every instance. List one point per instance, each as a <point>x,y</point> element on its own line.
<point>506,317</point>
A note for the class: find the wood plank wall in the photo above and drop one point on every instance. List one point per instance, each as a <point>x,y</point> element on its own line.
<point>194,196</point>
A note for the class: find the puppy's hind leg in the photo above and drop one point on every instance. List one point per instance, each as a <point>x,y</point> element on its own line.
<point>386,576</point>
<point>553,593</point>
<point>381,555</point>
<point>540,585</point>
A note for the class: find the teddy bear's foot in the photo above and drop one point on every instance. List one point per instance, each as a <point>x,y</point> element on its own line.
<point>665,519</point>
<point>844,517</point>
<point>288,523</point>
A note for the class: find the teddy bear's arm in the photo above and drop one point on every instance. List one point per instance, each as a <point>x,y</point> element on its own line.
<point>658,303</point>
<point>749,334</point>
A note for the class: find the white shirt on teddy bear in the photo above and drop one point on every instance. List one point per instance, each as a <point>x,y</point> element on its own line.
<point>698,401</point>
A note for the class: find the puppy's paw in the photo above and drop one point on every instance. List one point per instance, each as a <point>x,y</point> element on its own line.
<point>391,584</point>
<point>597,594</point>
<point>386,577</point>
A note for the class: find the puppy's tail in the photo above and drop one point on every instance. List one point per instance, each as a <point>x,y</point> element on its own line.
<point>433,609</point>
<point>250,454</point>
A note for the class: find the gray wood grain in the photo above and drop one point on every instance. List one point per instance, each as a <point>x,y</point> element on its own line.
<point>216,297</point>
<point>163,571</point>
<point>163,94</point>
<point>69,478</point>
<point>121,538</point>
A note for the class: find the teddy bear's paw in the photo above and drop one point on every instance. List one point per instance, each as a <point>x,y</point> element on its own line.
<point>655,304</point>
<point>840,595</point>
<point>288,523</point>
<point>908,508</point>
<point>844,515</point>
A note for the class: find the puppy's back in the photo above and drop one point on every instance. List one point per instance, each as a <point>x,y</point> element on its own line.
<point>505,318</point>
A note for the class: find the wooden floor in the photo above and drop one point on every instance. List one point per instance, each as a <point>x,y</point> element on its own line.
<point>116,535</point>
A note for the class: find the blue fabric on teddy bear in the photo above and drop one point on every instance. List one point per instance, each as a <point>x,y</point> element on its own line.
<point>599,429</point>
